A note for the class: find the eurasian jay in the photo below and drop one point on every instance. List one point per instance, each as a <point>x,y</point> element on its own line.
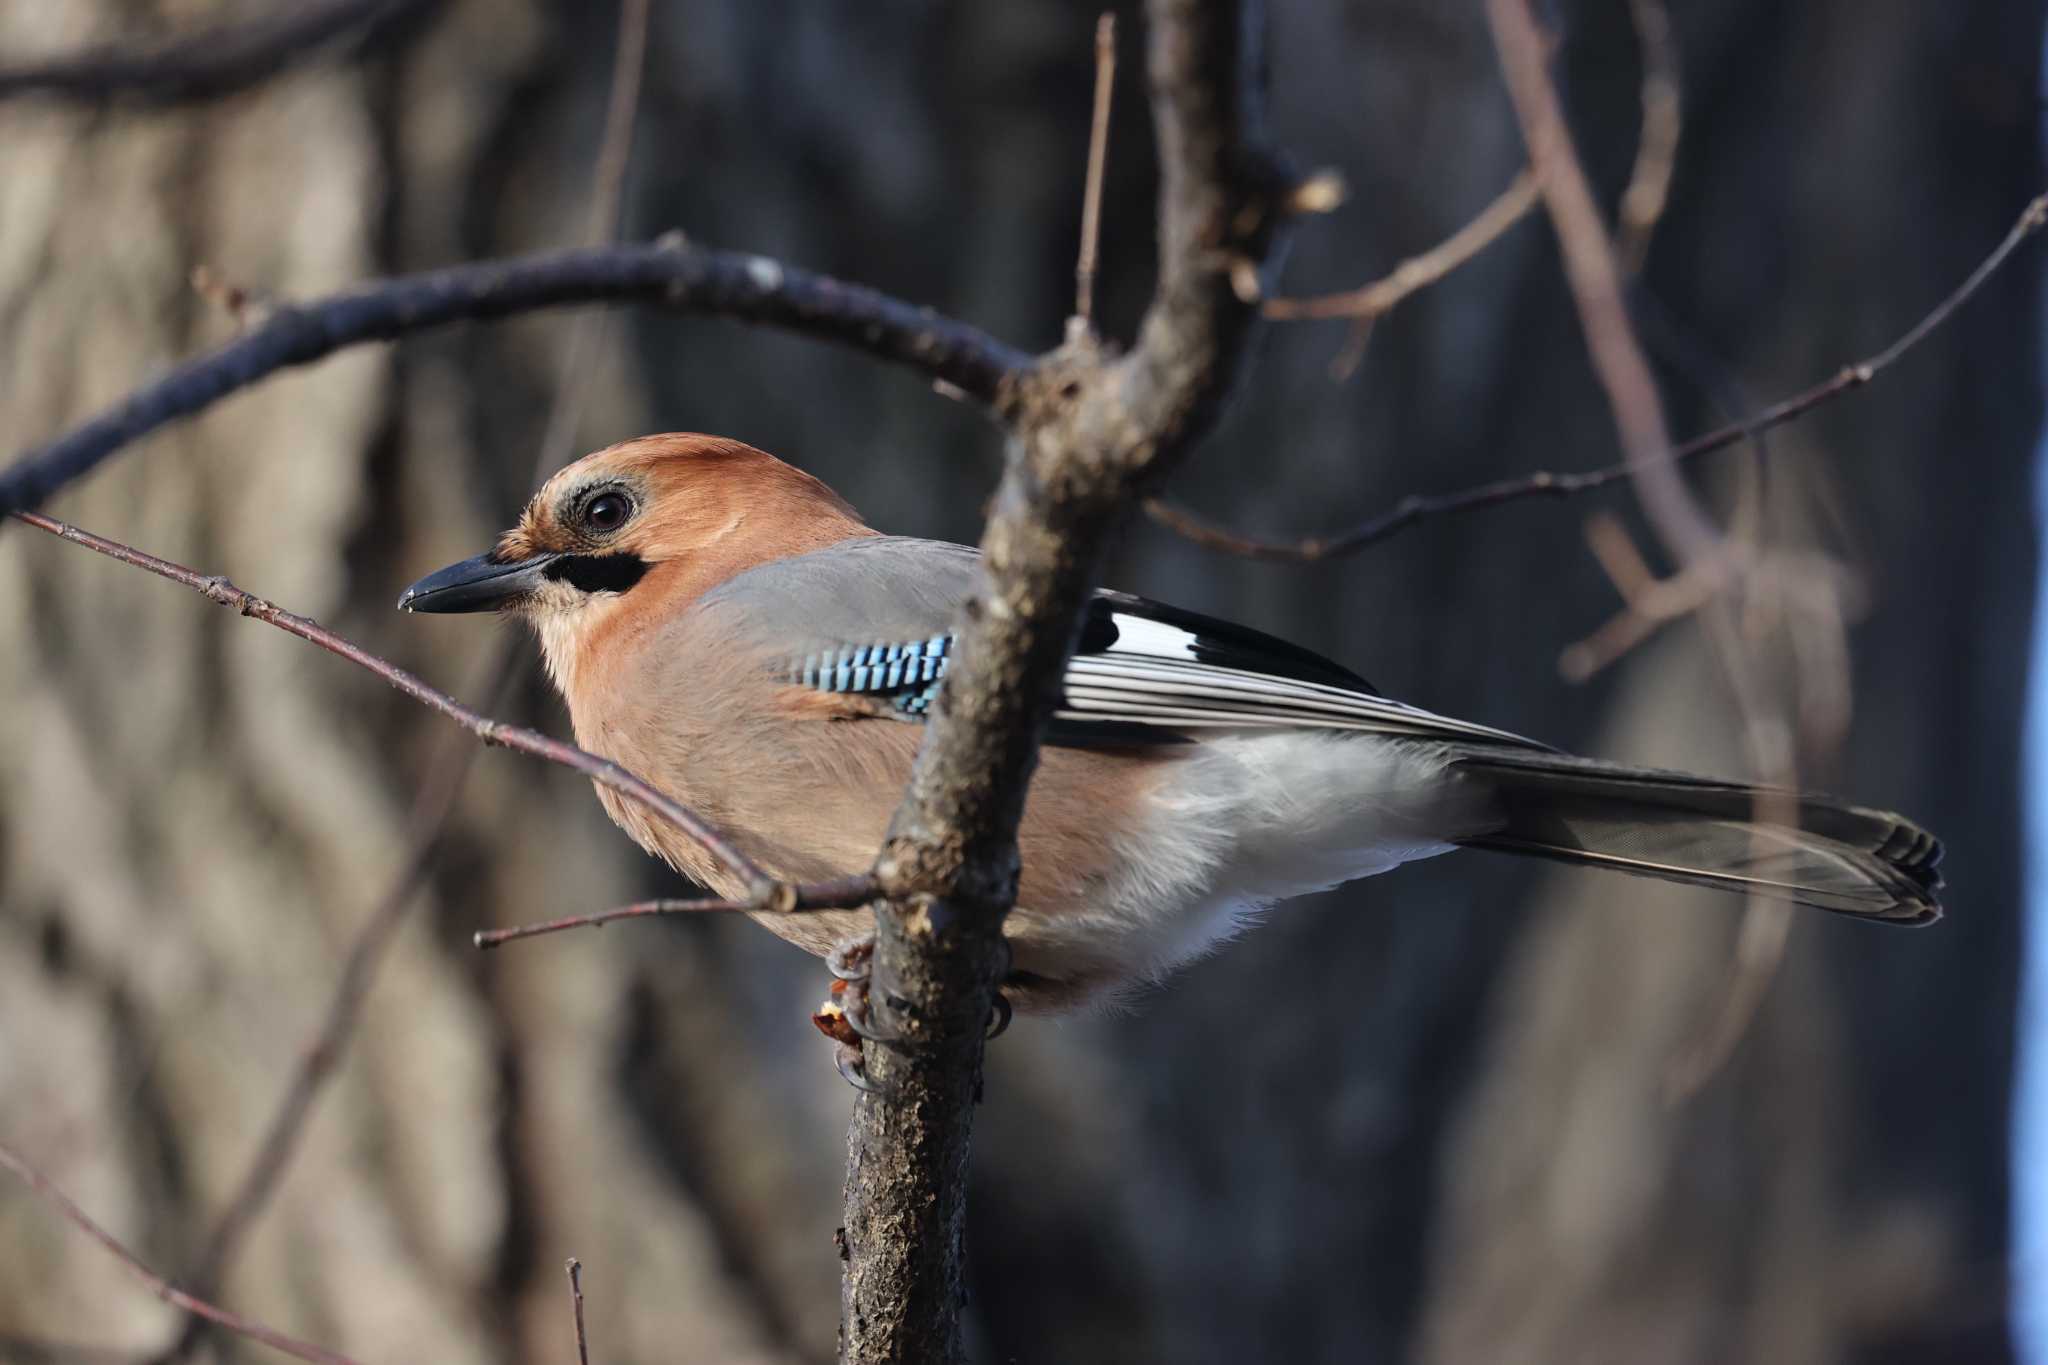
<point>726,626</point>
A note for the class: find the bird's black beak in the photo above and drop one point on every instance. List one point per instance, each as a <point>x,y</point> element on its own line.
<point>480,584</point>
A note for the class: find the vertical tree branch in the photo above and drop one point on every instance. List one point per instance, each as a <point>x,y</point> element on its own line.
<point>1595,277</point>
<point>1098,157</point>
<point>1089,433</point>
<point>575,1268</point>
<point>1649,183</point>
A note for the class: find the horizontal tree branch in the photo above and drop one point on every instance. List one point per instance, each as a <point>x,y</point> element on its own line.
<point>843,893</point>
<point>766,892</point>
<point>667,274</point>
<point>218,61</point>
<point>159,1286</point>
<point>1417,507</point>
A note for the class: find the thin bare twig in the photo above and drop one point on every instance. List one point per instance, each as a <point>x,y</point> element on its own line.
<point>576,1304</point>
<point>679,277</point>
<point>216,62</point>
<point>844,893</point>
<point>1417,272</point>
<point>1649,182</point>
<point>1366,305</point>
<point>769,893</point>
<point>1098,159</point>
<point>157,1285</point>
<point>1418,507</point>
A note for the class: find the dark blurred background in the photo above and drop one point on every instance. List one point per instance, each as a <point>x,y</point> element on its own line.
<point>1429,1118</point>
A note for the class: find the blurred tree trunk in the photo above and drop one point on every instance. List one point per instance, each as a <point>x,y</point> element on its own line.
<point>1425,1118</point>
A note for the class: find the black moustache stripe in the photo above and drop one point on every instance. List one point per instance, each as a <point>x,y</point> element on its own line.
<point>597,573</point>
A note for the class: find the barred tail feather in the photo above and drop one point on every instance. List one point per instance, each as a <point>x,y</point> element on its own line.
<point>1676,827</point>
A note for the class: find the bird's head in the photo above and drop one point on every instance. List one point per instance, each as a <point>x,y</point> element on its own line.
<point>665,516</point>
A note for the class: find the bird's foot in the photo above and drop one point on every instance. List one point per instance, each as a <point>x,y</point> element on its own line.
<point>852,1065</point>
<point>851,963</point>
<point>844,1017</point>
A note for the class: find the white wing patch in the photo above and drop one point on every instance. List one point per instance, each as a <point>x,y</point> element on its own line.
<point>1152,639</point>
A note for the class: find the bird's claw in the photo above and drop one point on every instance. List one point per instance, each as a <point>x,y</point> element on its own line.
<point>1001,1012</point>
<point>852,958</point>
<point>853,998</point>
<point>848,1056</point>
<point>853,1067</point>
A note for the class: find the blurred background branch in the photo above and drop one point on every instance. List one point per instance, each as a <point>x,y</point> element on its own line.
<point>1546,484</point>
<point>156,1283</point>
<point>216,62</point>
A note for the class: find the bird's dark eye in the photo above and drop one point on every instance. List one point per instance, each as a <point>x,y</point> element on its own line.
<point>607,511</point>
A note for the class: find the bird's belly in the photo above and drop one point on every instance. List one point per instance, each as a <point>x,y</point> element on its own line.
<point>1244,821</point>
<point>1133,863</point>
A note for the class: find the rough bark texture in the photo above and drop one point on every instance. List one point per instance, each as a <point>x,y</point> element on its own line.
<point>1422,1119</point>
<point>1089,431</point>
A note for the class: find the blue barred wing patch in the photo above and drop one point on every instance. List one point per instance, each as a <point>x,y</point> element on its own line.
<point>906,675</point>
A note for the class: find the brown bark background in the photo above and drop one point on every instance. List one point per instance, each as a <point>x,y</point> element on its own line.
<point>1421,1119</point>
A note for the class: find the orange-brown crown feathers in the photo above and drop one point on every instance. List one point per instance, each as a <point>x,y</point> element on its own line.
<point>685,495</point>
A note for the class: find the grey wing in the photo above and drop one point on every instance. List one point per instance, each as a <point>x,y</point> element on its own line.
<point>874,617</point>
<point>888,590</point>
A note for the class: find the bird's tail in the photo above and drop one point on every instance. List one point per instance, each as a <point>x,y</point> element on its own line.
<point>1792,846</point>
